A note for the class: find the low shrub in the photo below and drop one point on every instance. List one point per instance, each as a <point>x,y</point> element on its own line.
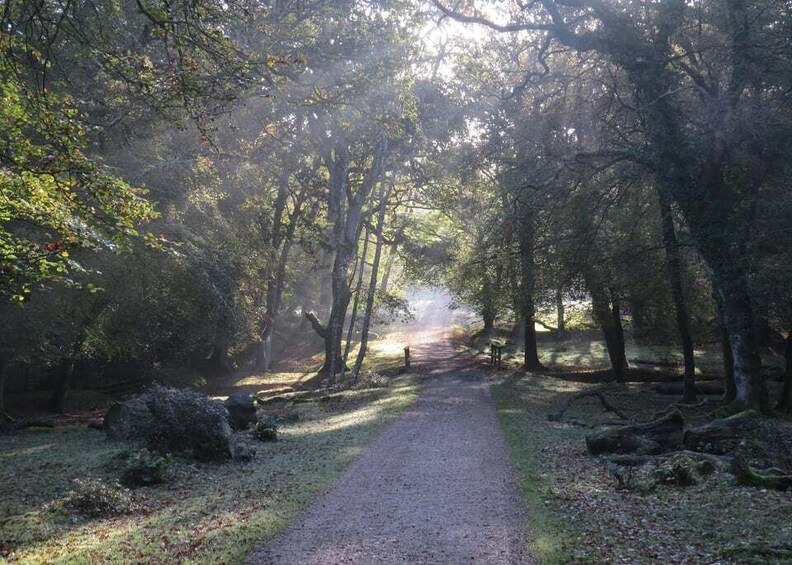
<point>93,498</point>
<point>266,429</point>
<point>371,380</point>
<point>144,468</point>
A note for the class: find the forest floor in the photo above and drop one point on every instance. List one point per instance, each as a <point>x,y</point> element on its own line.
<point>580,513</point>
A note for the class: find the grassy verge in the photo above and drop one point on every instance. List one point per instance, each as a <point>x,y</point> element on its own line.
<point>206,513</point>
<point>550,540</point>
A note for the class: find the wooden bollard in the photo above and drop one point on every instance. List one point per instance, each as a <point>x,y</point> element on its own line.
<point>407,358</point>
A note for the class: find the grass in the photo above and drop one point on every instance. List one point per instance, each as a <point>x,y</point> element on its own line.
<point>207,513</point>
<point>549,539</point>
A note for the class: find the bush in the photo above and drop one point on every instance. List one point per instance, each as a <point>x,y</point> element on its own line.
<point>144,468</point>
<point>266,429</point>
<point>93,498</point>
<point>185,421</point>
<point>679,470</point>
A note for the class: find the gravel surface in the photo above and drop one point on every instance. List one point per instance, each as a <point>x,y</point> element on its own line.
<point>436,487</point>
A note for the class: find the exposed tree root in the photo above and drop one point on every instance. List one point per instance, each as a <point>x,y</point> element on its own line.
<point>558,416</point>
<point>720,462</point>
<point>767,478</point>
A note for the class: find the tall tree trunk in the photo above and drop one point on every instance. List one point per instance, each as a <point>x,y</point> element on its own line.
<point>607,314</point>
<point>729,390</point>
<point>527,287</point>
<point>560,321</point>
<point>219,362</point>
<point>326,282</point>
<point>388,268</point>
<point>60,393</point>
<point>618,336</point>
<point>345,211</point>
<point>361,268</point>
<point>282,244</point>
<point>785,400</point>
<point>749,383</point>
<point>487,305</point>
<point>4,416</point>
<point>364,330</point>
<point>675,269</point>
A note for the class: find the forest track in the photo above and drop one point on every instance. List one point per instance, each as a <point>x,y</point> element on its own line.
<point>436,487</point>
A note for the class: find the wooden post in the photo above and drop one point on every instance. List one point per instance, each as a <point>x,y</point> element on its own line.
<point>407,358</point>
<point>496,351</point>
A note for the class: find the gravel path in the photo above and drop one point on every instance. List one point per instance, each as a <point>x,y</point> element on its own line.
<point>436,487</point>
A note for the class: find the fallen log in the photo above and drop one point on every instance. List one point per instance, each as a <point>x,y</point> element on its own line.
<point>266,393</point>
<point>649,438</point>
<point>296,396</point>
<point>722,436</point>
<point>557,417</point>
<point>677,388</point>
<point>25,424</point>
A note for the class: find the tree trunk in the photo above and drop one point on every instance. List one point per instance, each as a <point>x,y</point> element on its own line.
<point>608,317</point>
<point>388,268</point>
<point>57,401</point>
<point>487,305</point>
<point>560,321</point>
<point>219,362</point>
<point>675,269</point>
<point>326,285</point>
<point>618,336</point>
<point>281,245</point>
<point>384,195</point>
<point>528,287</point>
<point>345,211</point>
<point>729,390</point>
<point>361,268</point>
<point>4,416</point>
<point>785,400</point>
<point>749,384</point>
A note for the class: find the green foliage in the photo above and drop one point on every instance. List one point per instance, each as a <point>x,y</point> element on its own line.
<point>266,429</point>
<point>679,470</point>
<point>144,468</point>
<point>53,197</point>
